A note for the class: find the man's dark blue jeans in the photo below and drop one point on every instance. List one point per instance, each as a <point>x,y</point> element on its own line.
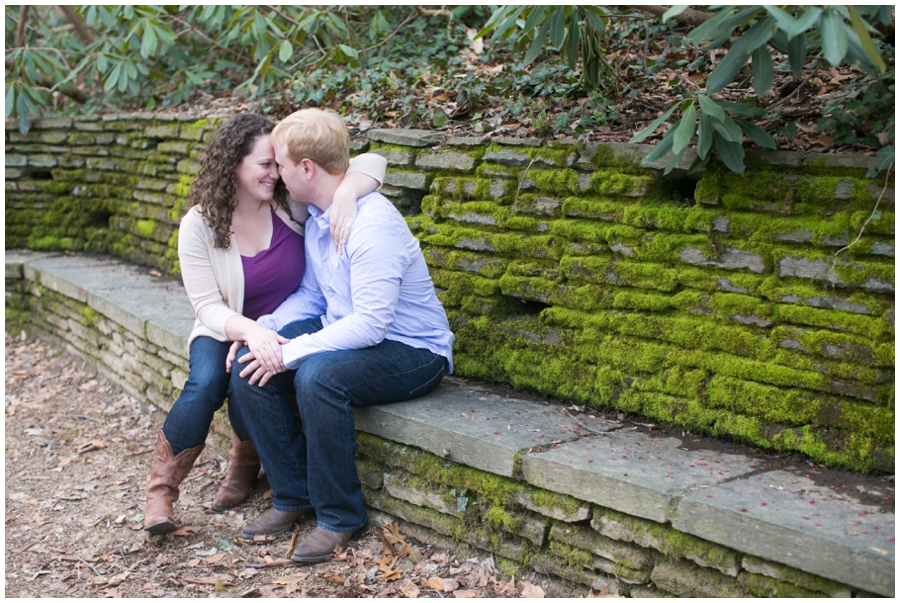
<point>187,423</point>
<point>315,466</point>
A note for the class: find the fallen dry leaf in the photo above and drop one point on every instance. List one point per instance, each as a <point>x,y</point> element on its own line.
<point>465,594</point>
<point>392,533</point>
<point>435,583</point>
<point>531,591</point>
<point>385,563</point>
<point>336,579</point>
<point>185,531</point>
<point>92,445</point>
<point>410,590</point>
<point>214,559</point>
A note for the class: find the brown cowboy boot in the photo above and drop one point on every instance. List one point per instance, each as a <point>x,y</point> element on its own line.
<point>243,467</point>
<point>166,472</point>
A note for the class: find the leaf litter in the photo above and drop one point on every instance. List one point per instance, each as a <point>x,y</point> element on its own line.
<point>76,469</point>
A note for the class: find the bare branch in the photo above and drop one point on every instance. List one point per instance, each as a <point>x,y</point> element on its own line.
<point>20,28</point>
<point>441,12</point>
<point>393,33</point>
<point>194,29</point>
<point>81,30</point>
<point>690,16</point>
<point>281,14</point>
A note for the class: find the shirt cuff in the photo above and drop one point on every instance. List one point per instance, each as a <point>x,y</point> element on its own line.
<point>292,352</point>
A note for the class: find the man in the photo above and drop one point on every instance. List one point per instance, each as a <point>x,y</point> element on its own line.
<point>365,328</point>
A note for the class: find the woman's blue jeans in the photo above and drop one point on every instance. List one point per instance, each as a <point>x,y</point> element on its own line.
<point>187,424</point>
<point>314,466</point>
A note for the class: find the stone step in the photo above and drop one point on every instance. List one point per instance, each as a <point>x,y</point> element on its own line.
<point>730,499</point>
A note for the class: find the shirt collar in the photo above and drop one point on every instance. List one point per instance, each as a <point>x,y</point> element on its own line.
<point>321,217</point>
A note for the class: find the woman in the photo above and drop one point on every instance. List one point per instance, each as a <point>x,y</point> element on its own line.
<point>241,251</point>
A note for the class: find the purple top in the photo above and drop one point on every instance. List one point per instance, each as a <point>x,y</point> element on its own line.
<point>274,273</point>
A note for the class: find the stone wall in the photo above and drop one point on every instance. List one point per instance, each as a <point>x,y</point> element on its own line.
<point>666,520</point>
<point>717,305</point>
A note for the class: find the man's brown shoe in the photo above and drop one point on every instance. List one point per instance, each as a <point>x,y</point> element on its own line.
<point>272,522</point>
<point>320,545</point>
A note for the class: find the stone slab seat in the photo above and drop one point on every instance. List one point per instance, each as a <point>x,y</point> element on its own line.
<point>717,497</point>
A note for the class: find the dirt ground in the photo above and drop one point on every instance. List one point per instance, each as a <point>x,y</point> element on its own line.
<point>78,451</point>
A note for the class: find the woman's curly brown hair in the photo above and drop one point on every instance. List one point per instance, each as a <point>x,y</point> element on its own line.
<point>216,184</point>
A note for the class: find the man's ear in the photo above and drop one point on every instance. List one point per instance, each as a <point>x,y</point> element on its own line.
<point>309,168</point>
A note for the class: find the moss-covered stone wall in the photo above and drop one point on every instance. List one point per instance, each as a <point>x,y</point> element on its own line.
<point>112,184</point>
<point>577,544</point>
<point>719,306</point>
<point>725,305</point>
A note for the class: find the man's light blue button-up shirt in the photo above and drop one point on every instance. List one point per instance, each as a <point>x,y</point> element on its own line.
<point>379,288</point>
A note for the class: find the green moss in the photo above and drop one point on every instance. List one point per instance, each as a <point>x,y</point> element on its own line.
<point>676,382</point>
<point>52,243</point>
<point>831,319</point>
<point>586,231</point>
<point>384,146</point>
<point>551,500</point>
<point>667,540</point>
<point>801,578</point>
<point>612,182</point>
<point>883,225</point>
<point>604,208</point>
<point>606,157</point>
<point>571,555</point>
<point>90,315</point>
<point>558,182</point>
<point>688,333</point>
<point>822,167</point>
<point>499,517</point>
<point>645,275</point>
<point>494,488</point>
<point>708,191</point>
<point>627,353</point>
<point>488,267</point>
<point>146,228</point>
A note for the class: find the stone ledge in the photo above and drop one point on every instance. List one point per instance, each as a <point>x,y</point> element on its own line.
<point>726,499</point>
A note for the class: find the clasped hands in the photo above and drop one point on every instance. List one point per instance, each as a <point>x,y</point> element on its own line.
<point>264,356</point>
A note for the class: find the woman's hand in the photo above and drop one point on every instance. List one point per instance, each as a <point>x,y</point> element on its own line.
<point>343,213</point>
<point>232,352</point>
<point>265,346</point>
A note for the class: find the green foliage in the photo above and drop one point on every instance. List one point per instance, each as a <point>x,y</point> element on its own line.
<point>567,28</point>
<point>757,28</point>
<point>565,70</point>
<point>155,56</point>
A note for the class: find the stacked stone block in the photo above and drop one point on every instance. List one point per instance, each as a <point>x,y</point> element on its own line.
<point>741,306</point>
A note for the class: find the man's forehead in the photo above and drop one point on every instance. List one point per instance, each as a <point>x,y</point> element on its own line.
<point>281,153</point>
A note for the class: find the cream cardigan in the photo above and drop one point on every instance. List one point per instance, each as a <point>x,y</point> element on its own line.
<point>214,277</point>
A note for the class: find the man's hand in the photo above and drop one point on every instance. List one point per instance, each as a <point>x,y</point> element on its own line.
<point>256,371</point>
<point>265,345</point>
